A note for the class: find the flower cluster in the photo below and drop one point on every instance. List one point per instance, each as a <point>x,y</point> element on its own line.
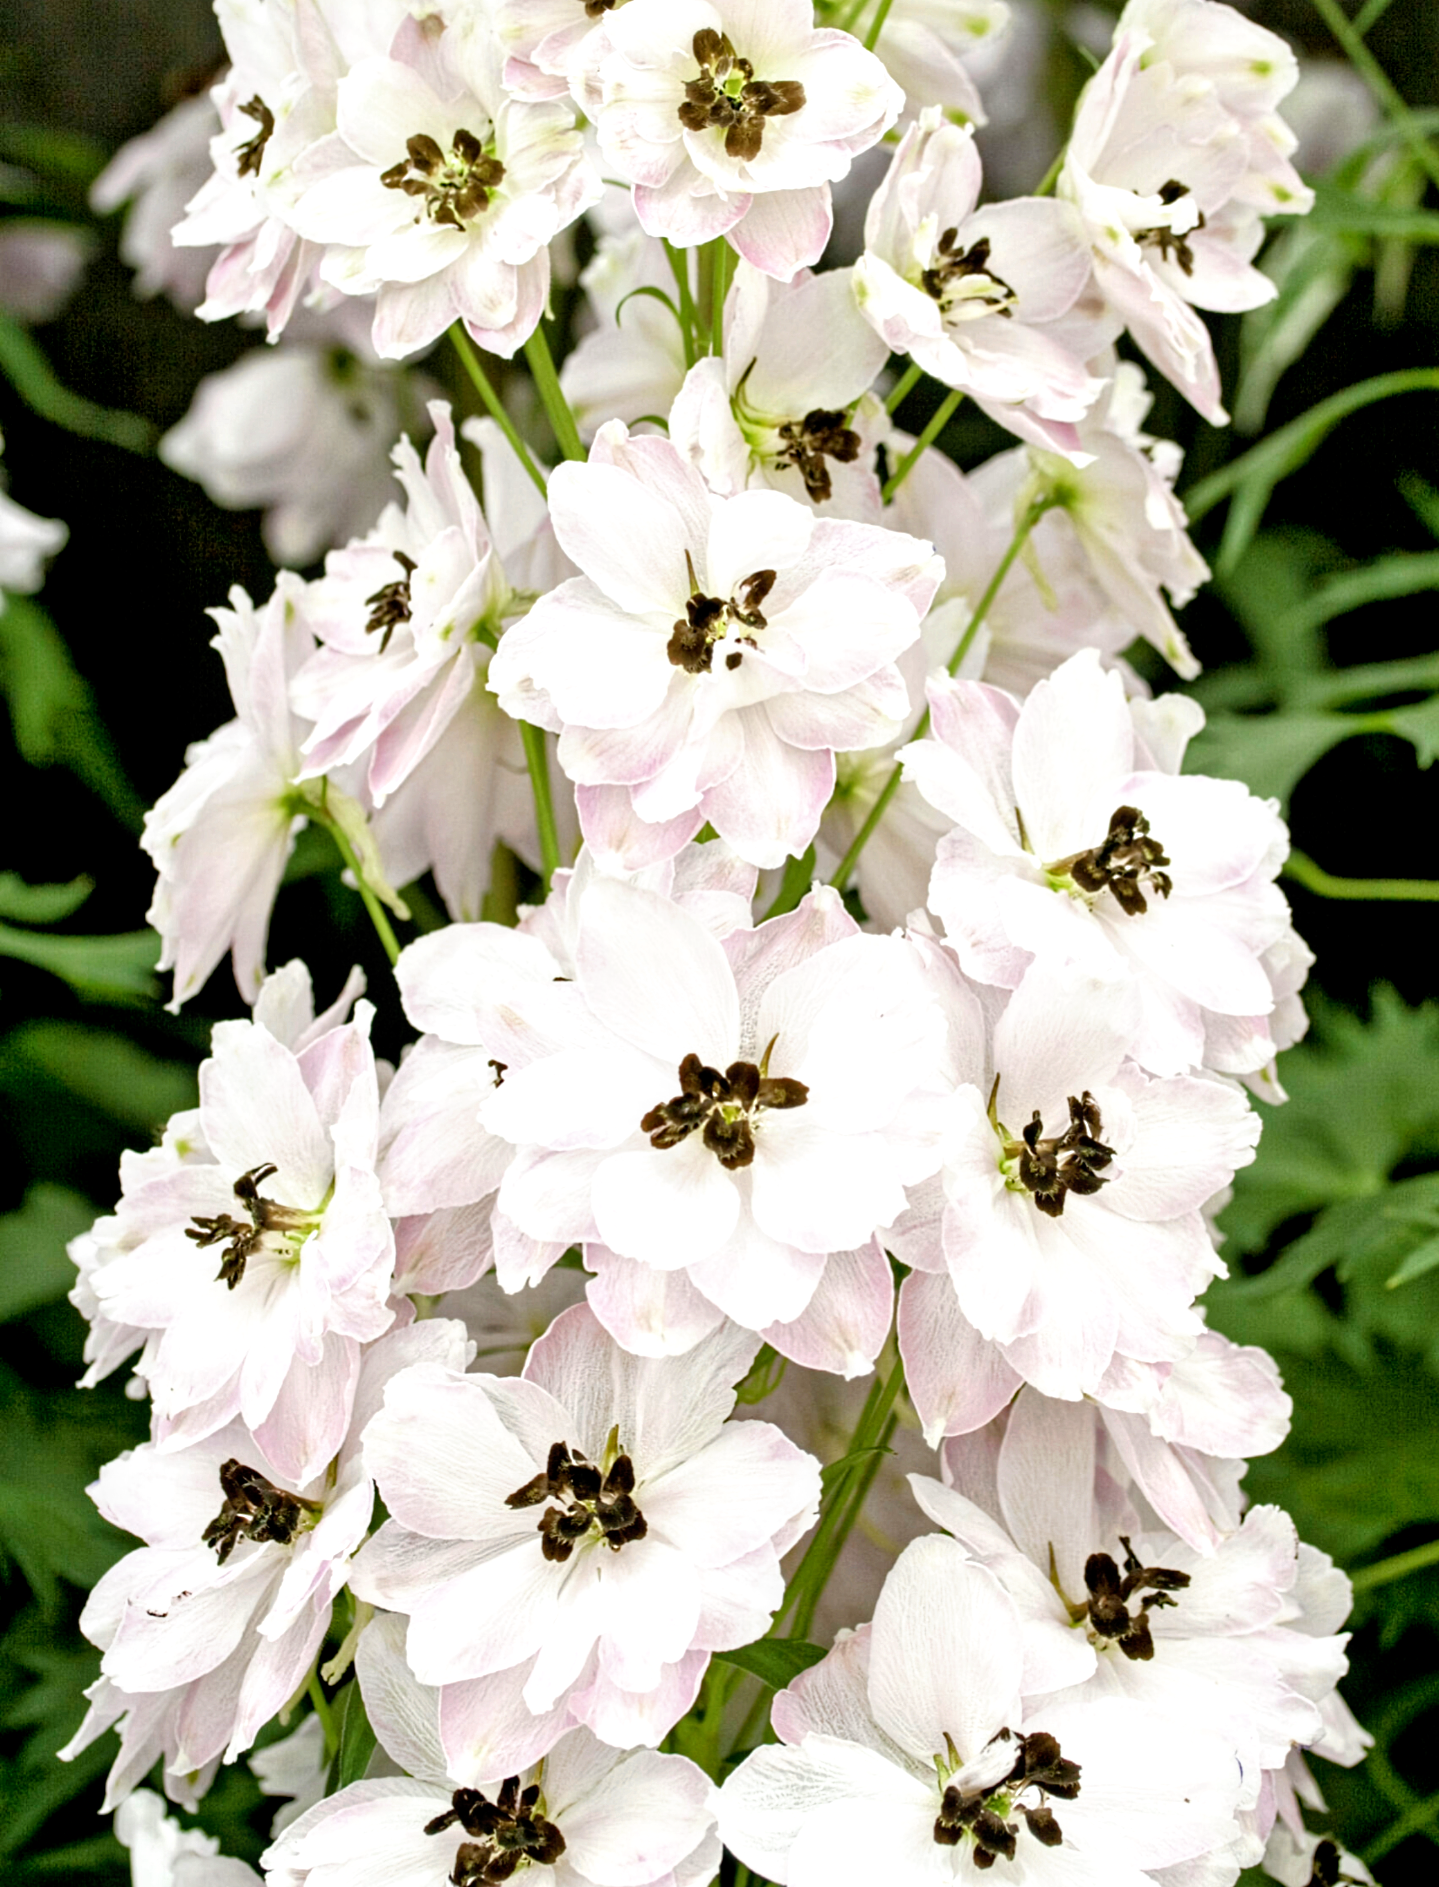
<point>955,1121</point>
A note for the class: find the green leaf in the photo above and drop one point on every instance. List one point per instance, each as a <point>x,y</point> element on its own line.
<point>1271,753</point>
<point>835,1468</point>
<point>774,1661</point>
<point>357,1737</point>
<point>24,365</point>
<point>106,1070</point>
<point>1342,210</point>
<point>1422,500</point>
<point>102,969</point>
<point>33,1266</point>
<point>1423,1258</point>
<point>52,710</point>
<point>58,156</point>
<point>798,877</point>
<point>41,904</point>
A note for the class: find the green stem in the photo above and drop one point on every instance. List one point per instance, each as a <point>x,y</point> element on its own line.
<point>537,760</point>
<point>1045,186</point>
<point>317,1697</point>
<point>906,382</point>
<point>492,400</point>
<point>1394,890</point>
<point>679,262</point>
<point>372,904</point>
<point>936,426</point>
<point>876,25</point>
<point>1399,1567</point>
<point>552,397</point>
<point>844,1526</point>
<point>721,269</point>
<point>1379,83</point>
<point>845,869</point>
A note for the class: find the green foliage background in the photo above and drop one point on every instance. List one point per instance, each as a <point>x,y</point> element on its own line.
<point>1320,513</point>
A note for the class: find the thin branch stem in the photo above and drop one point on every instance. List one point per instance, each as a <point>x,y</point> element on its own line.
<point>1314,878</point>
<point>1045,186</point>
<point>905,384</point>
<point>537,760</point>
<point>373,905</point>
<point>493,402</point>
<point>1399,1567</point>
<point>679,261</point>
<point>552,397</point>
<point>936,426</point>
<point>323,1711</point>
<point>876,25</point>
<point>1380,84</point>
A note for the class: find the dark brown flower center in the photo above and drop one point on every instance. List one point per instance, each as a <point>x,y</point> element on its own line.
<point>708,619</point>
<point>507,1833</point>
<point>597,9</point>
<point>254,1509</point>
<point>727,95</point>
<point>1165,240</point>
<point>589,1500</point>
<point>1050,1169</point>
<point>721,1108</point>
<point>963,283</point>
<point>250,154</point>
<point>808,442</point>
<point>1108,1609</point>
<point>266,1215</point>
<point>1125,863</point>
<point>982,1814</point>
<point>454,185</point>
<point>390,605</point>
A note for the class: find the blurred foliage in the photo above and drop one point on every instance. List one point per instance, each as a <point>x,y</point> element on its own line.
<point>1319,510</point>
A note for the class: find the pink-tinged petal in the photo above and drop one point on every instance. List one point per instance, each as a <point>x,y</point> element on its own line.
<point>1223,1398</point>
<point>957,1381</point>
<point>784,231</point>
<point>253,1101</point>
<point>1046,1483</point>
<point>311,1413</point>
<point>558,1102</point>
<point>495,1615</point>
<point>650,1607</point>
<point>598,663</point>
<point>409,316</point>
<point>754,530</point>
<point>1190,1138</point>
<point>548,1196</point>
<point>627,1718</point>
<point>405,1716</point>
<point>686,209</point>
<point>618,836</point>
<point>945,1654</point>
<point>770,806</point>
<point>628,1823</point>
<point>433,1150</point>
<point>1163,1475</point>
<point>488,1730</point>
<point>665,1207</point>
<point>822,1190</point>
<point>1074,727</point>
<point>656,976</point>
<point>1188,943</point>
<point>1060,1034</point>
<point>774,1799</point>
<point>647,1312</point>
<point>843,1327</point>
<point>445,1461</point>
<point>734,1496</point>
<point>489,987</point>
<point>600,513</point>
<point>754,1278</point>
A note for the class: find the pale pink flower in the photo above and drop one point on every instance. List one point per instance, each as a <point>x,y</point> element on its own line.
<point>631,364</point>
<point>977,295</point>
<point>920,1736</point>
<point>1076,841</point>
<point>734,118</point>
<point>593,1528</point>
<point>711,678</point>
<point>41,263</point>
<point>156,175</point>
<point>439,193</point>
<point>26,541</point>
<point>258,1270</point>
<point>162,1854</point>
<point>925,43</point>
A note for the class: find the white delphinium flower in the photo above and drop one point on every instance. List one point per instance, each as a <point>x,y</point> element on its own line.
<point>593,1528</point>
<point>581,1816</point>
<point>977,295</point>
<point>775,409</point>
<point>163,1854</point>
<point>752,1193</point>
<point>1204,1638</point>
<point>712,678</point>
<point>300,432</point>
<point>258,1270</point>
<point>25,542</point>
<point>209,1628</point>
<point>407,619</point>
<point>156,175</point>
<point>924,44</point>
<point>925,1739</point>
<point>41,263</point>
<point>276,100</point>
<point>296,1768</point>
<point>439,193</point>
<point>1170,178</point>
<point>631,364</point>
<point>1076,840</point>
<point>1070,1223</point>
<point>733,119</point>
<point>1300,1859</point>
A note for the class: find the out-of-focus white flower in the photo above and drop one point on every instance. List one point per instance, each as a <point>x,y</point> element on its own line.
<point>157,174</point>
<point>733,119</point>
<point>163,1854</point>
<point>658,1542</point>
<point>777,411</point>
<point>295,1768</point>
<point>40,265</point>
<point>925,43</point>
<point>632,363</point>
<point>1077,841</point>
<point>439,193</point>
<point>25,542</point>
<point>712,677</point>
<point>977,295</point>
